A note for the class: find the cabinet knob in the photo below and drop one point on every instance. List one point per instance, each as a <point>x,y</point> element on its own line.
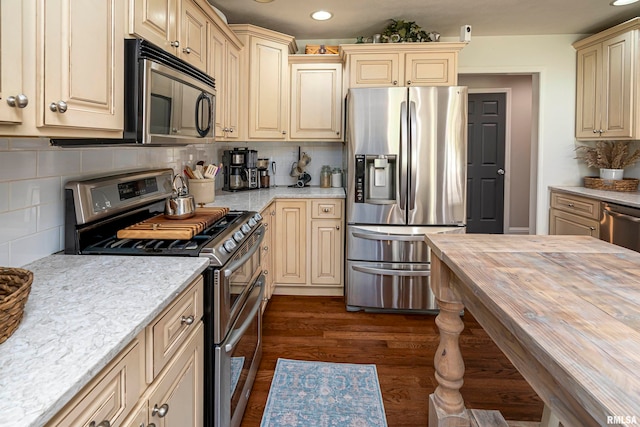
<point>104,423</point>
<point>266,248</point>
<point>60,107</point>
<point>265,272</point>
<point>19,101</point>
<point>395,82</point>
<point>337,133</point>
<point>187,50</point>
<point>187,320</point>
<point>230,130</point>
<point>595,131</point>
<point>326,210</point>
<point>161,411</point>
<point>571,205</point>
<point>225,129</point>
<point>175,43</point>
<point>337,227</point>
<point>408,82</point>
<point>592,228</point>
<point>284,132</point>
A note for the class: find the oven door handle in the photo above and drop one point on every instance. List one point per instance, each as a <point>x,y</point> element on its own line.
<point>244,258</point>
<point>238,333</point>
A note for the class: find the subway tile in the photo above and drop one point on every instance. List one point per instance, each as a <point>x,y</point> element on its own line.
<point>96,160</point>
<point>125,158</point>
<point>31,144</point>
<point>34,247</point>
<point>4,196</point>
<point>17,165</point>
<point>17,224</point>
<point>4,144</point>
<point>4,256</point>
<point>50,215</point>
<point>58,162</point>
<point>32,192</point>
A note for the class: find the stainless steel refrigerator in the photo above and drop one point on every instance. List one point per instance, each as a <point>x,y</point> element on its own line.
<point>406,161</point>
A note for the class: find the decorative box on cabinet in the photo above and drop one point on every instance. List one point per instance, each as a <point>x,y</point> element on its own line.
<point>574,215</point>
<point>607,91</point>
<point>401,64</point>
<point>157,378</point>
<point>265,81</point>
<point>316,97</point>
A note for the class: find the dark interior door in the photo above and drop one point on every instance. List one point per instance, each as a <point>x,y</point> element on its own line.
<point>486,163</point>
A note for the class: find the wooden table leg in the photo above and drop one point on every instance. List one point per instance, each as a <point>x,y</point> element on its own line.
<point>446,405</point>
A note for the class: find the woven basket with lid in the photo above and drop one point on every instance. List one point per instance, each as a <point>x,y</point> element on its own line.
<point>15,285</point>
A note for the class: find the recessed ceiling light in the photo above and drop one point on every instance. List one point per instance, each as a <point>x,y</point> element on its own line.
<point>622,2</point>
<point>264,1</point>
<point>321,15</point>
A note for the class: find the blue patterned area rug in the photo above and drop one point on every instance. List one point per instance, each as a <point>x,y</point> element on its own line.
<point>322,394</point>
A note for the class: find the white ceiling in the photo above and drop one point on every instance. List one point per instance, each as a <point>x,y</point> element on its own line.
<point>354,18</point>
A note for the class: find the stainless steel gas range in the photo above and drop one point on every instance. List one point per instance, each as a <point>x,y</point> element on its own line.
<point>96,212</point>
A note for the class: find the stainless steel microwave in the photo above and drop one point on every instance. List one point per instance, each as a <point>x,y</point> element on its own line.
<point>166,100</point>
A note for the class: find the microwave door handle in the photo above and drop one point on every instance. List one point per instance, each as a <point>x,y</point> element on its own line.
<point>238,333</point>
<point>404,153</point>
<point>390,272</point>
<point>244,258</point>
<point>386,237</point>
<point>200,113</point>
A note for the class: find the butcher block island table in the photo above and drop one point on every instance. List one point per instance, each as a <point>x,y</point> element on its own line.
<point>564,309</point>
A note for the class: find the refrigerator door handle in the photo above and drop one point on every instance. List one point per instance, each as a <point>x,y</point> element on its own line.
<point>389,272</point>
<point>386,237</point>
<point>414,166</point>
<point>404,153</point>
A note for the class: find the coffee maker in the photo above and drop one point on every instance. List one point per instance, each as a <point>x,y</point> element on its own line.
<point>240,169</point>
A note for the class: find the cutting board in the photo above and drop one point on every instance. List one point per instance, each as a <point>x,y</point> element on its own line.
<point>161,227</point>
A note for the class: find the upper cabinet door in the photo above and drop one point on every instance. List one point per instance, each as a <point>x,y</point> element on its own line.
<point>13,100</point>
<point>84,64</point>
<point>588,91</point>
<point>430,69</point>
<point>155,21</point>
<point>372,70</point>
<point>193,46</point>
<point>617,81</point>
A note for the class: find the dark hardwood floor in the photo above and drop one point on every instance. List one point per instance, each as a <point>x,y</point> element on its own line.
<point>402,347</point>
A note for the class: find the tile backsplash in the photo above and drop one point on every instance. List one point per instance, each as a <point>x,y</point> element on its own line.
<point>33,175</point>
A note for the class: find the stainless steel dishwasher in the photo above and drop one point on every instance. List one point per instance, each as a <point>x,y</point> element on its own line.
<point>620,225</point>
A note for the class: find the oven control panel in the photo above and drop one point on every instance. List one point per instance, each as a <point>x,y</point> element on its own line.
<point>221,249</point>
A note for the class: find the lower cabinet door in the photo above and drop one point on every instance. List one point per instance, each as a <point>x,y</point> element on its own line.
<point>177,398</point>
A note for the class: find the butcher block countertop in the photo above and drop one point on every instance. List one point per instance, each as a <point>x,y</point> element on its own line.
<point>564,309</point>
<point>81,312</point>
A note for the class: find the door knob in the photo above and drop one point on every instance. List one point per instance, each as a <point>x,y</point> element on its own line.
<point>19,101</point>
<point>500,171</point>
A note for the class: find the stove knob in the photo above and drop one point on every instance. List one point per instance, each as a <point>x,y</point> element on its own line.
<point>229,245</point>
<point>257,217</point>
<point>238,236</point>
<point>252,222</point>
<point>246,228</point>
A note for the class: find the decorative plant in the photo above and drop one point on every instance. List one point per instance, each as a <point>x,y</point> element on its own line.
<point>608,155</point>
<point>404,31</point>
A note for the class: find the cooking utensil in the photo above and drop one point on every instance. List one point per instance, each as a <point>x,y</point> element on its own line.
<point>210,171</point>
<point>180,204</point>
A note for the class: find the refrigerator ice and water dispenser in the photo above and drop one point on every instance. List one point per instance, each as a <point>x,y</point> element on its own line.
<point>375,179</point>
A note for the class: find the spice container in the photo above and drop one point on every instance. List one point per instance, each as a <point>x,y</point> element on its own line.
<point>336,177</point>
<point>325,176</point>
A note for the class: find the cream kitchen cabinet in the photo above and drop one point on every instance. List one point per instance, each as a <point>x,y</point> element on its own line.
<point>607,93</point>
<point>157,379</point>
<point>224,66</point>
<point>266,257</point>
<point>265,81</point>
<point>403,64</point>
<point>177,26</point>
<point>308,247</point>
<point>76,88</point>
<point>574,215</point>
<point>316,97</point>
<point>13,99</point>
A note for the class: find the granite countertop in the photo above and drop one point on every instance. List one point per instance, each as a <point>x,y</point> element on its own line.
<point>81,312</point>
<point>620,197</point>
<point>256,200</point>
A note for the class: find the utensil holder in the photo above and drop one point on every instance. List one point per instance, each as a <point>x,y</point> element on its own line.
<point>203,190</point>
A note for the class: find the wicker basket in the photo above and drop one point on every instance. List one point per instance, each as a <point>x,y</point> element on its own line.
<point>625,184</point>
<point>15,284</point>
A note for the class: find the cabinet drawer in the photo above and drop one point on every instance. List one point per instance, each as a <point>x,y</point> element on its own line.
<point>172,327</point>
<point>111,395</point>
<point>565,223</point>
<point>583,206</point>
<point>326,209</point>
